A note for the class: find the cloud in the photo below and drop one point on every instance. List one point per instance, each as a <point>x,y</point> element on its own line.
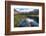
<point>24,9</point>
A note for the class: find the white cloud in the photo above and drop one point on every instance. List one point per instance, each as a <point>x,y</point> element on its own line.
<point>24,9</point>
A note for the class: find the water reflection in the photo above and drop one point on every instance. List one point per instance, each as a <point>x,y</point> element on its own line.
<point>29,22</point>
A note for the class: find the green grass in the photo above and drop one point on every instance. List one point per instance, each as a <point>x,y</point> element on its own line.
<point>17,18</point>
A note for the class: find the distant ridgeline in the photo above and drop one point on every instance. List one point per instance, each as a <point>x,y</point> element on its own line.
<point>26,11</point>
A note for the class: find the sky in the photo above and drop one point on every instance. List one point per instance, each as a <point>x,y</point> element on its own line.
<point>24,9</point>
